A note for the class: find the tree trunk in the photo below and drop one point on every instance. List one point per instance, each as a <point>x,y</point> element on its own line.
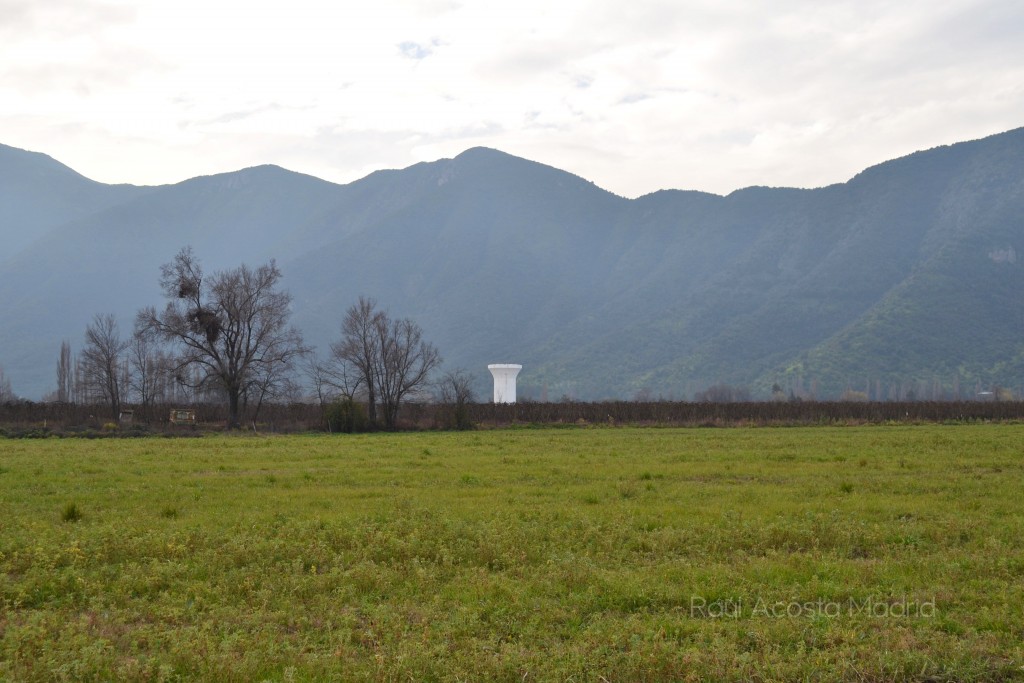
<point>371,406</point>
<point>113,390</point>
<point>233,421</point>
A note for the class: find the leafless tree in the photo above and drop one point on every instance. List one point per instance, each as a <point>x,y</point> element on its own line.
<point>233,326</point>
<point>274,383</point>
<point>64,372</point>
<point>356,354</point>
<point>5,388</point>
<point>456,386</point>
<point>79,392</point>
<point>146,365</point>
<point>342,379</point>
<point>722,393</point>
<point>102,361</point>
<point>643,395</point>
<point>335,379</point>
<point>314,371</point>
<point>406,361</point>
<point>389,357</point>
<point>455,392</point>
<point>330,379</point>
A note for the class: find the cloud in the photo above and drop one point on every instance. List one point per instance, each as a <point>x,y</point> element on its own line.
<point>96,69</point>
<point>414,50</point>
<point>16,15</point>
<point>53,52</point>
<point>22,20</point>
<point>696,94</point>
<point>633,98</point>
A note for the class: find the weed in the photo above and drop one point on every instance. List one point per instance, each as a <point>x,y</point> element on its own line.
<point>71,513</point>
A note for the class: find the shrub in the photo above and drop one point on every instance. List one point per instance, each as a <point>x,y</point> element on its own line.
<point>29,433</point>
<point>348,416</point>
<point>71,513</point>
<point>455,394</point>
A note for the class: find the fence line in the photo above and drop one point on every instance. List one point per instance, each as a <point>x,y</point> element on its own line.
<point>309,417</point>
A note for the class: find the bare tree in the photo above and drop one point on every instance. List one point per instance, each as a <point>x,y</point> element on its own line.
<point>274,383</point>
<point>355,355</point>
<point>722,393</point>
<point>335,378</point>
<point>146,365</point>
<point>339,390</point>
<point>64,373</point>
<point>455,391</point>
<point>102,362</point>
<point>79,393</point>
<point>404,365</point>
<point>5,388</point>
<point>315,372</point>
<point>233,326</point>
<point>330,378</point>
<point>390,358</point>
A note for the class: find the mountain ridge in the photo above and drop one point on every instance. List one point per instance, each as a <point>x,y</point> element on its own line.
<point>598,295</point>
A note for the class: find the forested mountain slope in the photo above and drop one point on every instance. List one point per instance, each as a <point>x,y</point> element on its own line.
<point>906,278</point>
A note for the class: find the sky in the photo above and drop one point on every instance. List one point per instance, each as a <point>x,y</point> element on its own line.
<point>636,96</point>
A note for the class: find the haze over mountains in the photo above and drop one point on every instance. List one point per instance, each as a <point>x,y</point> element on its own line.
<point>907,278</point>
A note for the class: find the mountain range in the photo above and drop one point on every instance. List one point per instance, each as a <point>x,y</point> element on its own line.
<point>903,281</point>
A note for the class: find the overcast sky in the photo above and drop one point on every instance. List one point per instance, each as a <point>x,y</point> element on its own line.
<point>637,96</point>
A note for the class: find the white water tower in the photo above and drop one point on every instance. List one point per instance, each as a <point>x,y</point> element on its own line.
<point>504,381</point>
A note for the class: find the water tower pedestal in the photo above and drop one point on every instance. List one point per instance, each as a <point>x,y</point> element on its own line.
<point>504,381</point>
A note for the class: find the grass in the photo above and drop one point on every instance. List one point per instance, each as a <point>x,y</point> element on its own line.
<point>71,513</point>
<point>868,554</point>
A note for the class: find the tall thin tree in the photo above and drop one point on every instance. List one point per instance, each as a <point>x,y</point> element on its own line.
<point>102,361</point>
<point>359,348</point>
<point>5,388</point>
<point>64,373</point>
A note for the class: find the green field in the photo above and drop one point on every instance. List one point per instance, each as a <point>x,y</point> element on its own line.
<point>614,554</point>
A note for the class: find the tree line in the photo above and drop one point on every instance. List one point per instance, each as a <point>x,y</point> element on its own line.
<point>226,336</point>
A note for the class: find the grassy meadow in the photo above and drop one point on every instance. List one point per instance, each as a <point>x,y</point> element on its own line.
<point>583,554</point>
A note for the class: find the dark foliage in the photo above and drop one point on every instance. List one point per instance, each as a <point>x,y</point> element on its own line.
<point>40,420</point>
<point>206,323</point>
<point>347,416</point>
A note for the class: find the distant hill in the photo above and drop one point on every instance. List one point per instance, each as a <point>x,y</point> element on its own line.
<point>904,280</point>
<point>38,194</point>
